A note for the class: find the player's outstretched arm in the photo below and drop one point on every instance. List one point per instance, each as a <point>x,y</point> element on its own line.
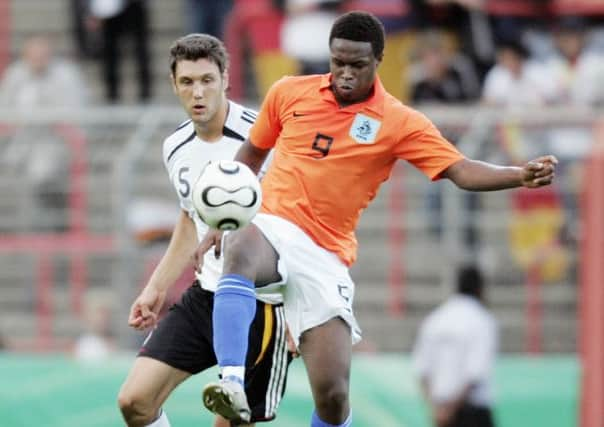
<point>475,175</point>
<point>145,309</point>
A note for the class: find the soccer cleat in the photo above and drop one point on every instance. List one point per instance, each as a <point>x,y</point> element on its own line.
<point>227,399</point>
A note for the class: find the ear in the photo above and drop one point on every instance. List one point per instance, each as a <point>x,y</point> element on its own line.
<point>225,79</point>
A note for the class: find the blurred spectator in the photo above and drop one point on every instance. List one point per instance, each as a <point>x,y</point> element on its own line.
<point>468,21</point>
<point>207,16</point>
<point>94,343</point>
<point>41,80</point>
<point>86,41</point>
<point>441,75</point>
<point>305,30</point>
<point>116,19</point>
<point>511,19</point>
<point>253,36</point>
<point>454,356</point>
<point>516,80</point>
<point>575,71</point>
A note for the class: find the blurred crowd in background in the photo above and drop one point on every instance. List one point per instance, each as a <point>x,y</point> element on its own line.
<point>500,52</point>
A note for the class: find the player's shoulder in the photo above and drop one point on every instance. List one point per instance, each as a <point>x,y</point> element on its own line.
<point>182,135</point>
<point>239,120</point>
<point>398,112</point>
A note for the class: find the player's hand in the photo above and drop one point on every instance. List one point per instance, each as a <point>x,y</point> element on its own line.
<point>291,344</point>
<point>144,311</point>
<point>539,172</point>
<point>442,414</point>
<point>212,238</point>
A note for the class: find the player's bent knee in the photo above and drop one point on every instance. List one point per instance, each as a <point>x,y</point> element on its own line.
<point>136,410</point>
<point>331,398</point>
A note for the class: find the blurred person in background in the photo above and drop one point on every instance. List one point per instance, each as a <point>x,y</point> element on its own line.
<point>305,28</point>
<point>207,16</point>
<point>575,71</point>
<point>180,344</point>
<point>116,19</point>
<point>468,22</point>
<point>39,80</point>
<point>94,343</point>
<point>86,42</point>
<point>454,356</point>
<point>440,73</point>
<point>516,80</point>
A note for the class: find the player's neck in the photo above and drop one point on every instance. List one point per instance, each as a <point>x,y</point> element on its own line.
<point>212,130</point>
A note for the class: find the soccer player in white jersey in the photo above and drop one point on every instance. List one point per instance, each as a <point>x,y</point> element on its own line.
<point>180,345</point>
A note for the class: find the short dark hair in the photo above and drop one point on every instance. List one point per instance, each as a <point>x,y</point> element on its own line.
<point>360,26</point>
<point>470,281</point>
<point>196,46</point>
<point>515,46</point>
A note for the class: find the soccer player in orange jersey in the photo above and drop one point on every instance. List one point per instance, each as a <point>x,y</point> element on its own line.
<point>336,138</point>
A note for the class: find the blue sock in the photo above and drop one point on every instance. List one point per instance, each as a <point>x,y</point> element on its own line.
<point>234,310</point>
<point>317,422</point>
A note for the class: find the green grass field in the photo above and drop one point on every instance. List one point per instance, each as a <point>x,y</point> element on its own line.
<point>54,391</point>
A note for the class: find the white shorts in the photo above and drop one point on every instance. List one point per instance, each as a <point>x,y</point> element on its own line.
<point>318,286</point>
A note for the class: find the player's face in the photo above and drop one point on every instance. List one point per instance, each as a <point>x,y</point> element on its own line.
<point>353,67</point>
<point>200,88</point>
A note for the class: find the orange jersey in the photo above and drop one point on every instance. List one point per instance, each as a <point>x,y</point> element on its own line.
<point>329,161</point>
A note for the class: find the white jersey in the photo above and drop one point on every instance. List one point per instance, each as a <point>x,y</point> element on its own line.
<point>185,156</point>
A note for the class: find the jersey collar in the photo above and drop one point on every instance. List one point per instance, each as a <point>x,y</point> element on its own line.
<point>374,103</point>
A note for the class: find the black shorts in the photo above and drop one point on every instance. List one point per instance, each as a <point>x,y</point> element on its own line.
<point>183,340</point>
<point>472,416</point>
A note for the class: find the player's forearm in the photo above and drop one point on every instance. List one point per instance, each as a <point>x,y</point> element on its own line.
<point>251,155</point>
<point>178,255</point>
<point>474,175</point>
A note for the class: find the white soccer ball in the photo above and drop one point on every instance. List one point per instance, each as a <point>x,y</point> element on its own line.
<point>227,195</point>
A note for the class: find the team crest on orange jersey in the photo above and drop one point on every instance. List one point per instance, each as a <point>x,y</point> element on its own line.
<point>364,129</point>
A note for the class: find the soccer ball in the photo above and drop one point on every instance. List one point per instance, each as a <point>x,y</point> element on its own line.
<point>227,195</point>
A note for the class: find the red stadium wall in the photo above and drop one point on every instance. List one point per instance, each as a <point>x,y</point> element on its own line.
<point>591,312</point>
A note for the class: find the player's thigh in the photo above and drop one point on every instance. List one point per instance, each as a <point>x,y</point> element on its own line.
<point>326,350</point>
<point>247,252</point>
<point>151,381</point>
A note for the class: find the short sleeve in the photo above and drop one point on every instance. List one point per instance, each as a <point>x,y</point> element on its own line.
<point>266,129</point>
<point>424,147</point>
